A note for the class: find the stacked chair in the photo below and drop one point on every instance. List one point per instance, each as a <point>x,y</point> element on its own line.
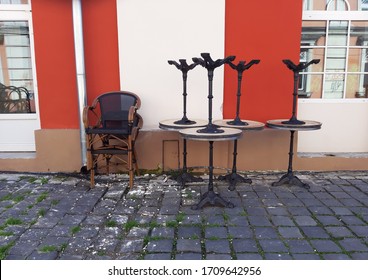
<point>112,125</point>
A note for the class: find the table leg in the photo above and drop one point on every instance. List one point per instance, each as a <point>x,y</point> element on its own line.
<point>185,177</point>
<point>289,178</point>
<point>233,178</point>
<point>210,196</point>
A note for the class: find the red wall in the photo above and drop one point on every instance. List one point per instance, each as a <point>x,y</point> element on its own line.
<point>55,63</point>
<point>269,31</point>
<point>101,47</point>
<point>55,59</point>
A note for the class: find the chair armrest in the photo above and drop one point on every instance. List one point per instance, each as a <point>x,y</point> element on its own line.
<point>86,120</point>
<point>131,115</point>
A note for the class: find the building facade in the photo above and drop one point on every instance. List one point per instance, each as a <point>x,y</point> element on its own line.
<point>125,45</point>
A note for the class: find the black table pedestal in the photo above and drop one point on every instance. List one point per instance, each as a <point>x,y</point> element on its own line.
<point>234,178</point>
<point>186,177</point>
<point>210,197</point>
<point>289,178</point>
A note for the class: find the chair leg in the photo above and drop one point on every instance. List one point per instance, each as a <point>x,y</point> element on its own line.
<point>92,175</point>
<point>136,163</point>
<point>130,166</point>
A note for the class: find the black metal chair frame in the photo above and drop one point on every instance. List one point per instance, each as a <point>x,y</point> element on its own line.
<point>105,143</point>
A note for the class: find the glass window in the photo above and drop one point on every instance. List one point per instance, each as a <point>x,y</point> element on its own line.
<point>341,44</point>
<point>16,70</point>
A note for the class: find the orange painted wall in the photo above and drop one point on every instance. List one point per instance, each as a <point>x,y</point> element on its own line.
<point>101,47</point>
<point>270,31</point>
<point>55,63</point>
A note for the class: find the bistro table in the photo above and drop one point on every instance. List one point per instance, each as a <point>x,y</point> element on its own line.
<point>210,197</point>
<point>305,125</point>
<point>246,125</point>
<point>172,125</point>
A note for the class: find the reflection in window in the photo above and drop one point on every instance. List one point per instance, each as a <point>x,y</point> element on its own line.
<point>13,1</point>
<point>16,81</point>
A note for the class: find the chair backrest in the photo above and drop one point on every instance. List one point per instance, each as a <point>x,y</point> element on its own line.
<point>115,107</point>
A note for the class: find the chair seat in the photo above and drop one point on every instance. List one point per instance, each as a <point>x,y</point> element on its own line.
<point>110,151</point>
<point>120,131</point>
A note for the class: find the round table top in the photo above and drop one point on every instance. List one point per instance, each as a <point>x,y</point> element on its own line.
<point>251,125</point>
<point>309,125</point>
<point>228,134</point>
<point>171,125</point>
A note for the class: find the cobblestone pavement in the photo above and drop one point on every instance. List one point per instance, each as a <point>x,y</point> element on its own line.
<point>55,216</point>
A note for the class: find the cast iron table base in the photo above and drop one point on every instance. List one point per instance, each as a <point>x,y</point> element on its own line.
<point>210,197</point>
<point>234,178</point>
<point>289,178</point>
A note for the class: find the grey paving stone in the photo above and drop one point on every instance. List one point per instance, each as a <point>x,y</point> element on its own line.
<point>237,220</point>
<point>361,231</point>
<point>325,246</point>
<point>341,211</point>
<point>218,257</point>
<point>290,232</point>
<point>280,256</point>
<point>245,246</point>
<point>43,256</point>
<point>306,257</point>
<point>215,220</point>
<point>34,234</point>
<point>335,257</point>
<point>137,232</point>
<point>315,232</point>
<point>353,244</point>
<point>339,231</point>
<point>217,246</point>
<point>23,248</point>
<point>282,221</point>
<point>298,211</point>
<point>217,232</point>
<point>132,246</point>
<point>329,220</point>
<point>189,245</point>
<point>320,210</point>
<point>305,221</point>
<point>260,221</point>
<point>250,256</point>
<point>352,220</point>
<point>188,256</point>
<point>272,245</point>
<point>359,256</point>
<point>277,211</point>
<point>256,211</point>
<point>299,246</point>
<point>163,233</point>
<point>164,256</point>
<point>189,232</point>
<point>240,232</point>
<point>77,245</point>
<point>160,246</point>
<point>265,233</point>
<point>192,220</point>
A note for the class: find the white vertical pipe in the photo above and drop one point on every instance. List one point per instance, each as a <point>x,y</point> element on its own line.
<point>80,70</point>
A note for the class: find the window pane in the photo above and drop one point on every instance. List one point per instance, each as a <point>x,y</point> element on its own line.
<point>334,85</point>
<point>307,54</point>
<point>357,86</point>
<point>314,33</point>
<point>357,60</point>
<point>310,86</point>
<point>16,81</point>
<point>337,33</point>
<point>359,33</point>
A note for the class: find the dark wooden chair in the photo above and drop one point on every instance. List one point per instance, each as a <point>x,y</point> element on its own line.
<point>112,125</point>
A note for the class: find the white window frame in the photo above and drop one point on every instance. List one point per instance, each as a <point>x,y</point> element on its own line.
<point>22,12</point>
<point>328,16</point>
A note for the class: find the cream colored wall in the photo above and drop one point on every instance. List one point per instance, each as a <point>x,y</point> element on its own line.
<point>344,127</point>
<point>153,32</point>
